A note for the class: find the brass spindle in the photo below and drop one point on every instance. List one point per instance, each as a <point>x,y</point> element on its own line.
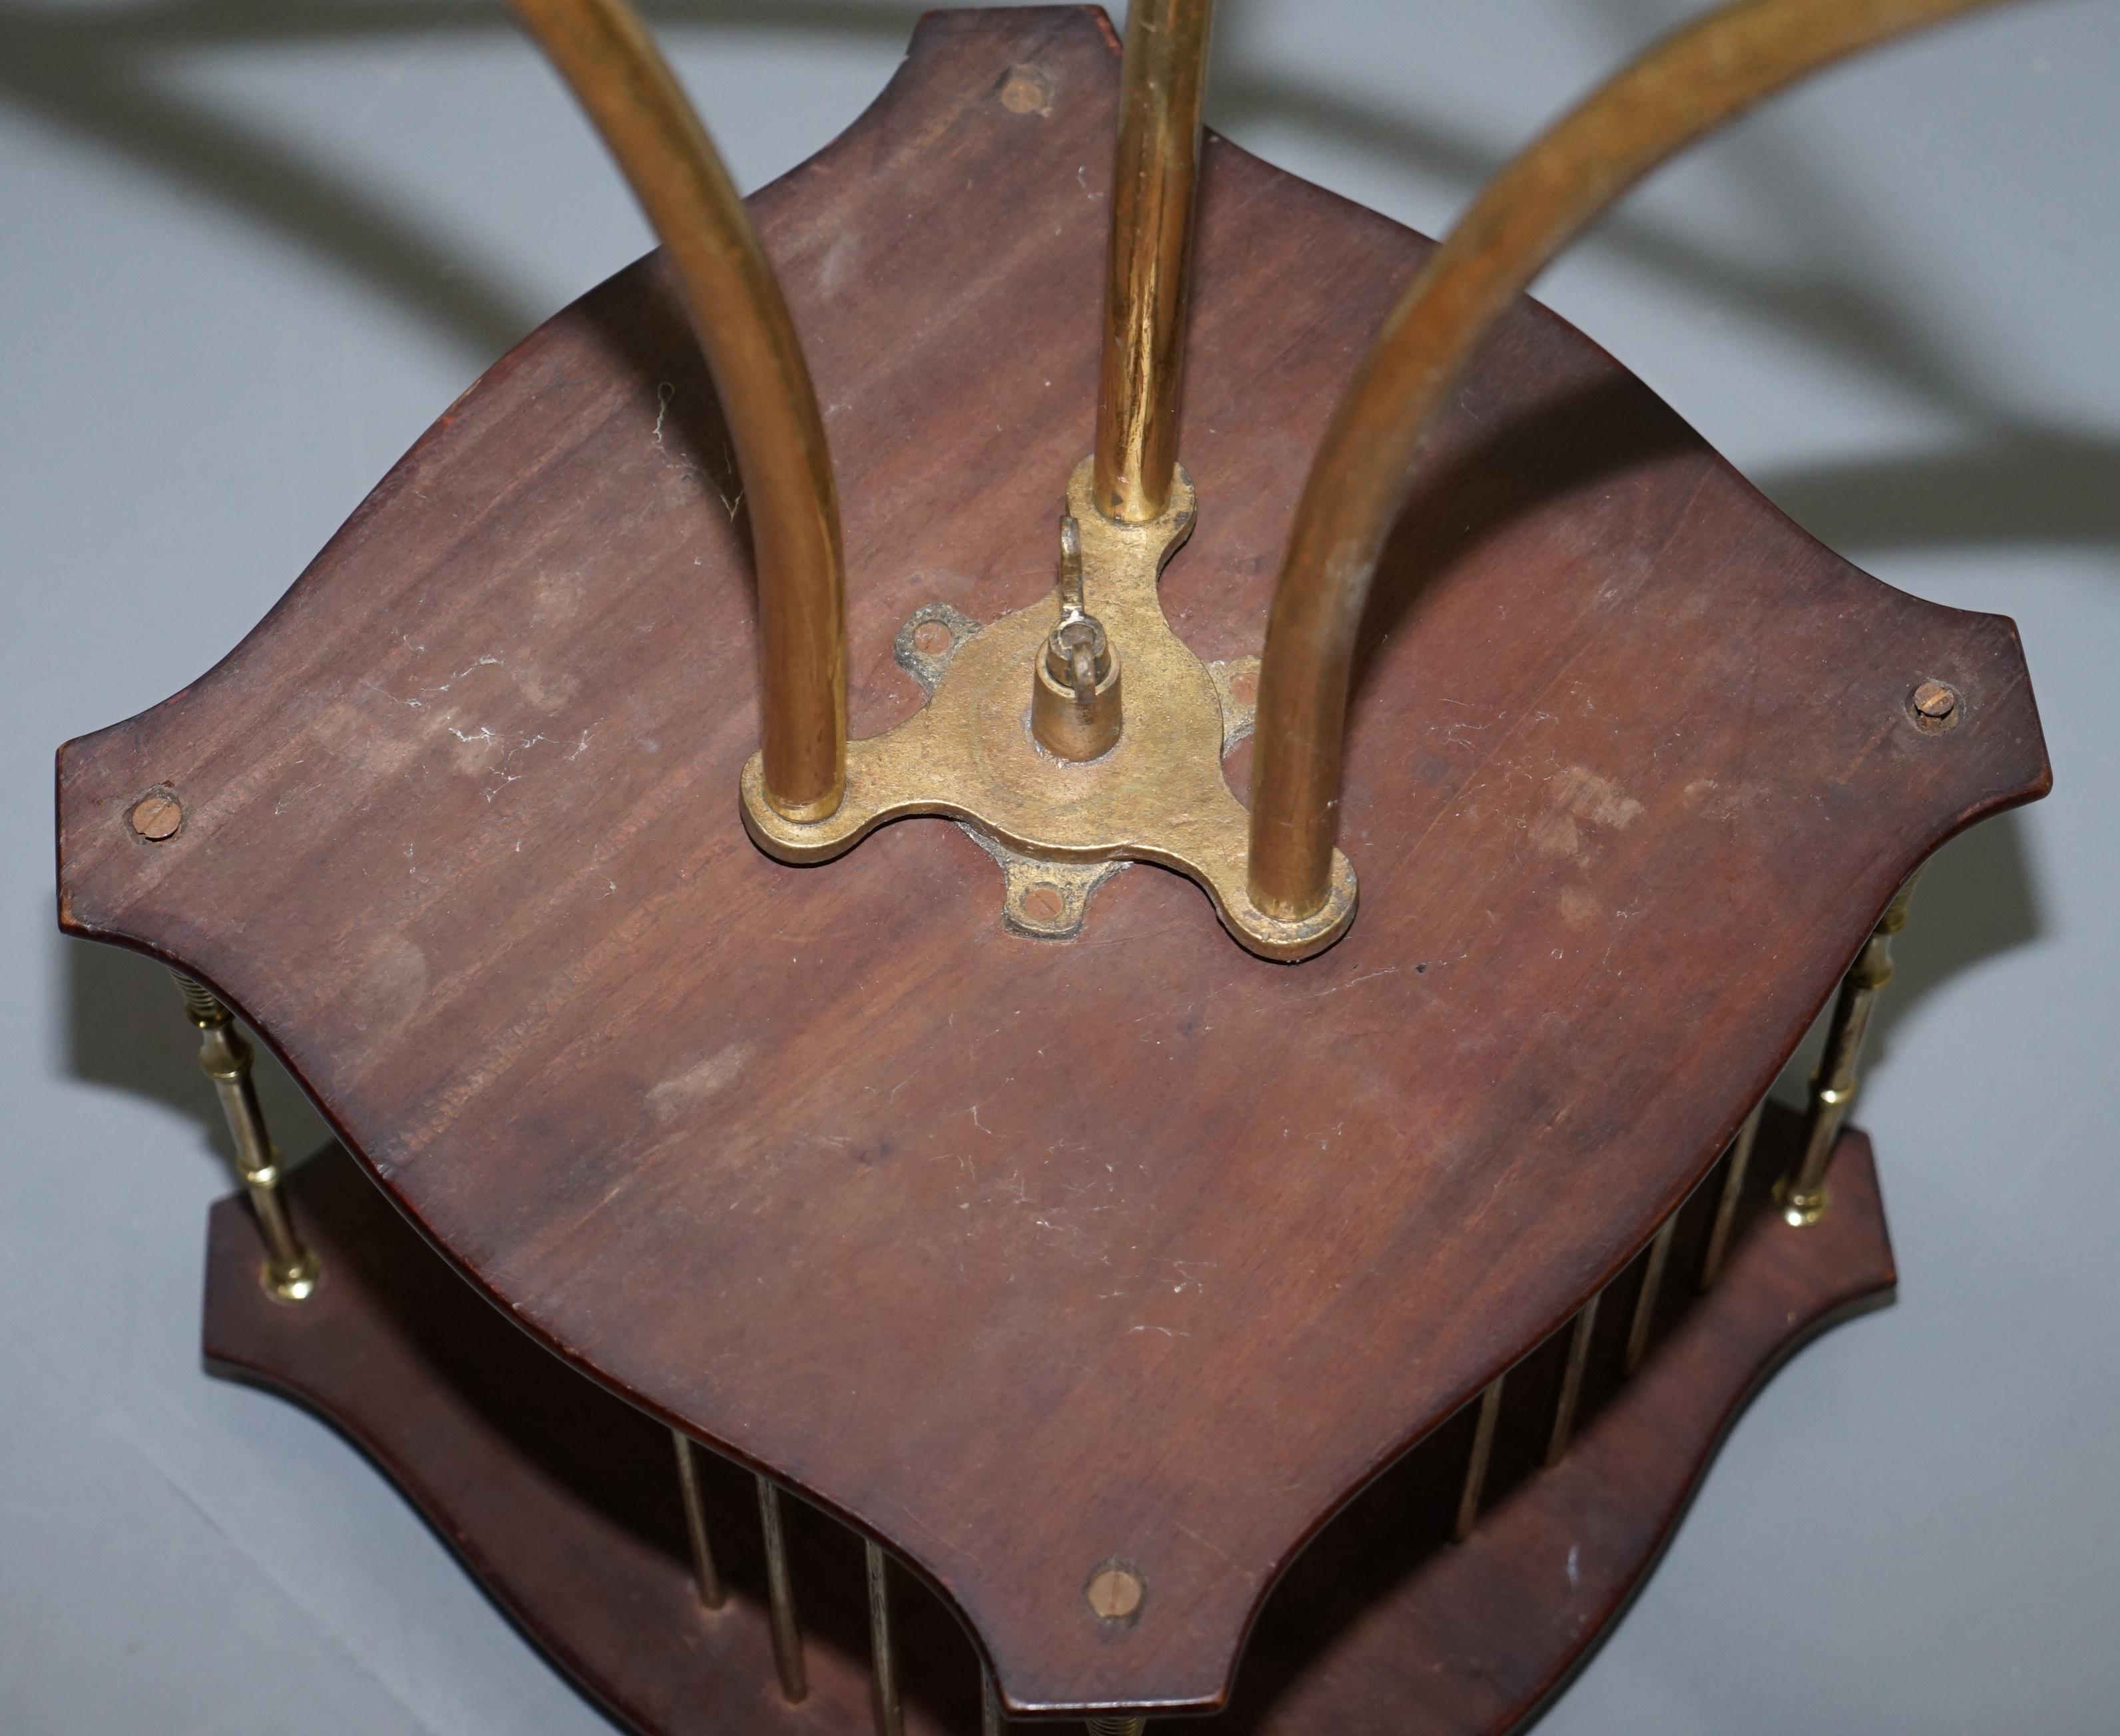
<point>1571,1382</point>
<point>1117,1726</point>
<point>1801,1193</point>
<point>1475,1466</point>
<point>705,1575</point>
<point>780,1595</point>
<point>1645,1300</point>
<point>291,1269</point>
<point>1154,175</point>
<point>1738,1160</point>
<point>990,1718</point>
<point>883,1660</point>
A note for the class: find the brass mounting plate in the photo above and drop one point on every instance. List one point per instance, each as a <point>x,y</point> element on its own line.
<point>1158,796</point>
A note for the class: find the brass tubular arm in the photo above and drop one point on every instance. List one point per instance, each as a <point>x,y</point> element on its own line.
<point>1694,80</point>
<point>1154,175</point>
<point>606,55</point>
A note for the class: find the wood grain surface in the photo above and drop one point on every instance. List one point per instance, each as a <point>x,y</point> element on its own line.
<point>561,1499</point>
<point>1024,1255</point>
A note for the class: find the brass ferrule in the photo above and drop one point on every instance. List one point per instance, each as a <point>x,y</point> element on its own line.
<point>224,1055</point>
<point>1075,709</point>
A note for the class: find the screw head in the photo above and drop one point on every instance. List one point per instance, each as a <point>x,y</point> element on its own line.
<point>1044,903</point>
<point>1113,1593</point>
<point>1243,688</point>
<point>157,817</point>
<point>932,638</point>
<point>1934,706</point>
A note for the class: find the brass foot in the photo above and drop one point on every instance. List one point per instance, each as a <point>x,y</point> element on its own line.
<point>295,1281</point>
<point>1800,1206</point>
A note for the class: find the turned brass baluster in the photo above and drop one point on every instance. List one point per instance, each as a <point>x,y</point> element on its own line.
<point>291,1269</point>
<point>1738,1161</point>
<point>1154,175</point>
<point>1475,1465</point>
<point>780,1596</point>
<point>1704,74</point>
<point>1802,1192</point>
<point>606,55</point>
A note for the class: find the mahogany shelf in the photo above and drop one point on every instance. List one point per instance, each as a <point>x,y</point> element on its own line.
<point>827,1168</point>
<point>561,1498</point>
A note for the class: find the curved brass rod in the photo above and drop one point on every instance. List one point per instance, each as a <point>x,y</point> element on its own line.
<point>1695,80</point>
<point>1154,174</point>
<point>606,56</point>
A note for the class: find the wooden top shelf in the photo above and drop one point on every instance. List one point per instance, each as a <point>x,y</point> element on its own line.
<point>1027,1256</point>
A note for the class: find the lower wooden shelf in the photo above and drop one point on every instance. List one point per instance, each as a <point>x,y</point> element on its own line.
<point>562,1499</point>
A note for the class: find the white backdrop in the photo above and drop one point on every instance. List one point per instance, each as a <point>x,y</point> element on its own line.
<point>253,247</point>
